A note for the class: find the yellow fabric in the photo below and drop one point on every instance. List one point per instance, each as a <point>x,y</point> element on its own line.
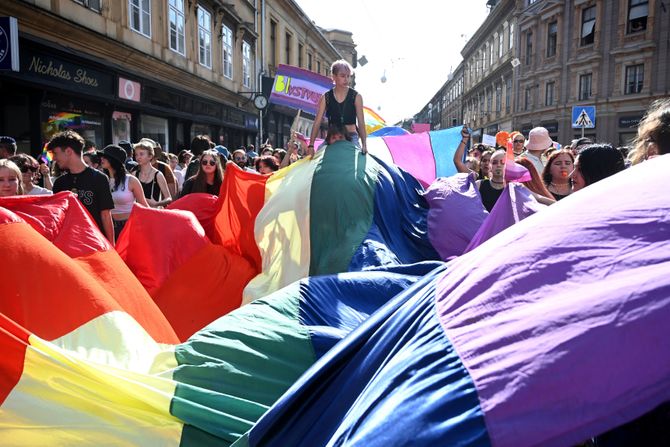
<point>282,229</point>
<point>116,339</point>
<point>64,400</point>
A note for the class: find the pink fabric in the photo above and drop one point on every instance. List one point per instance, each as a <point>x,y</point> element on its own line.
<point>414,154</point>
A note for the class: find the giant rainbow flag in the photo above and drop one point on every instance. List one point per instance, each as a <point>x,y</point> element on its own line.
<point>352,333</point>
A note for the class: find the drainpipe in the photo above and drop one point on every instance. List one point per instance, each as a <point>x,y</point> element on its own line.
<point>259,87</point>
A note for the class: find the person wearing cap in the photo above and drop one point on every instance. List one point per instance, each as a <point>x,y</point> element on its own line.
<point>126,189</point>
<point>90,186</point>
<point>7,147</point>
<point>183,159</point>
<point>223,153</point>
<point>538,142</point>
<point>130,164</point>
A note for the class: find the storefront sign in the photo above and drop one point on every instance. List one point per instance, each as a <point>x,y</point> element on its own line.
<point>129,90</point>
<point>9,44</point>
<point>299,89</point>
<point>49,69</point>
<point>251,122</point>
<point>629,122</point>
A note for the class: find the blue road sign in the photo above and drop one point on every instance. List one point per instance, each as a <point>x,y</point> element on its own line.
<point>583,117</point>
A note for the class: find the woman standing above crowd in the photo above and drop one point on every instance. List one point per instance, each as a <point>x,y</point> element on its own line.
<point>126,189</point>
<point>152,180</point>
<point>343,106</point>
<point>209,177</point>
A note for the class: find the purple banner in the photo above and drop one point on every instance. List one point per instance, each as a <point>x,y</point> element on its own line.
<point>299,89</point>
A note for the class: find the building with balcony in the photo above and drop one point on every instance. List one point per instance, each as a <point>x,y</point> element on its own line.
<point>611,54</point>
<point>119,70</point>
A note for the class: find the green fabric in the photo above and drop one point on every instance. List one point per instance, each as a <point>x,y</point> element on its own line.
<point>233,370</point>
<point>341,216</point>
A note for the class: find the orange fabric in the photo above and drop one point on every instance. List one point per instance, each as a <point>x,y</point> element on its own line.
<point>51,294</point>
<point>13,343</point>
<point>155,243</point>
<point>242,197</point>
<point>204,288</point>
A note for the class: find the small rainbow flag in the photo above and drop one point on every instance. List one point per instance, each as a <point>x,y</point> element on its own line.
<point>372,120</point>
<point>47,156</point>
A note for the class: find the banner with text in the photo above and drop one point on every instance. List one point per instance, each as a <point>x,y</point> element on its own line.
<point>299,89</point>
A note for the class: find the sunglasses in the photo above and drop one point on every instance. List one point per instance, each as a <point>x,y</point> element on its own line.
<point>208,162</point>
<point>518,141</point>
<point>25,169</point>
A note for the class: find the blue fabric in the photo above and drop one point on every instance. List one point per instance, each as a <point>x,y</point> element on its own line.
<point>445,142</point>
<point>396,380</point>
<point>388,131</point>
<point>332,306</point>
<point>399,230</point>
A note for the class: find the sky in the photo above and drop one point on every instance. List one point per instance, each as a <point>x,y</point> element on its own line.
<point>414,44</point>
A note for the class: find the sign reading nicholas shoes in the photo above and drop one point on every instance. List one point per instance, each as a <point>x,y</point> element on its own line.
<point>52,70</point>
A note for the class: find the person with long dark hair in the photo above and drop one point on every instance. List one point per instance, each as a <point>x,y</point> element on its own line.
<point>556,173</point>
<point>594,163</point>
<point>209,177</point>
<point>126,189</point>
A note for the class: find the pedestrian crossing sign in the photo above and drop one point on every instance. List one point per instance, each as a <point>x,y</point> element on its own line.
<point>584,117</point>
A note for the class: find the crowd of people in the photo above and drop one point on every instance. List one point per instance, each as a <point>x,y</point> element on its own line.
<point>109,182</point>
<point>557,171</point>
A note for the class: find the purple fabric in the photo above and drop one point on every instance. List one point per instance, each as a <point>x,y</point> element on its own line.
<point>562,319</point>
<point>456,213</point>
<point>514,172</point>
<point>514,204</point>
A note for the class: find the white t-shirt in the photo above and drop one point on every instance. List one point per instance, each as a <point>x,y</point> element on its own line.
<point>39,191</point>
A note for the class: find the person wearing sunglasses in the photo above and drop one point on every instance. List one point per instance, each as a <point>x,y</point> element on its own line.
<point>29,173</point>
<point>518,142</point>
<point>209,177</point>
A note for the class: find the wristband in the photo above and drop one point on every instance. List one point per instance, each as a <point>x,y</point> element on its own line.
<point>311,145</point>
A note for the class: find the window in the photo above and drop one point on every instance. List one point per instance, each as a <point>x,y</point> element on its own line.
<point>491,51</point>
<point>529,47</point>
<point>140,16</point>
<point>309,61</point>
<point>588,26</point>
<point>300,51</point>
<point>511,35</point>
<point>288,48</point>
<point>90,4</point>
<point>318,67</point>
<point>585,86</point>
<point>634,79</point>
<point>498,98</point>
<point>638,10</point>
<point>500,44</point>
<point>552,38</point>
<point>246,64</point>
<point>205,37</point>
<point>176,16</point>
<point>227,41</point>
<point>273,42</point>
<point>489,101</point>
<point>508,95</point>
<point>526,102</point>
<point>549,93</point>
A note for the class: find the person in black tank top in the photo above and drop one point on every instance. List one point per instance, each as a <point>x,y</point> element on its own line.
<point>153,182</point>
<point>343,106</point>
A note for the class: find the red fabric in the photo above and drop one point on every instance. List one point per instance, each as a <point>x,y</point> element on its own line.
<point>51,294</point>
<point>62,219</point>
<point>155,243</point>
<point>13,344</point>
<point>242,197</point>
<point>204,206</point>
<point>204,288</point>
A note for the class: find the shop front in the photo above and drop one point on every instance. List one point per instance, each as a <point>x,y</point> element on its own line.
<point>628,125</point>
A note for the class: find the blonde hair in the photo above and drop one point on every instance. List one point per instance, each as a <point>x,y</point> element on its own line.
<point>341,65</point>
<point>654,127</point>
<point>10,165</point>
<point>145,146</point>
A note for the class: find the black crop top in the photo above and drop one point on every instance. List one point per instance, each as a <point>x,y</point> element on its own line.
<point>341,113</point>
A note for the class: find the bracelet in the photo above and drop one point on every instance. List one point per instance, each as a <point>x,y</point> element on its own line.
<point>311,145</point>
